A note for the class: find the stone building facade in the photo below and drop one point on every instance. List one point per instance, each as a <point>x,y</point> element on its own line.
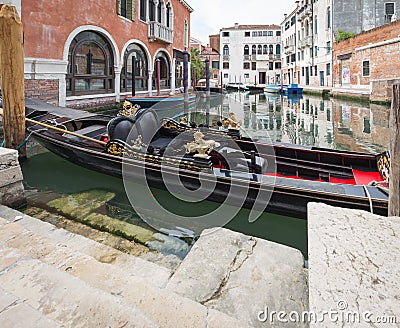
<point>250,54</point>
<point>80,54</point>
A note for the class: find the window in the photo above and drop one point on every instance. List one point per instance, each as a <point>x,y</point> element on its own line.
<point>90,65</point>
<point>126,8</point>
<point>271,66</point>
<point>277,65</point>
<point>315,25</point>
<point>328,47</point>
<point>134,55</point>
<point>215,64</point>
<point>152,11</point>
<point>302,71</point>
<point>225,65</point>
<point>246,65</point>
<point>253,49</point>
<point>265,33</point>
<point>170,18</point>
<point>389,11</point>
<point>293,58</point>
<point>226,76</point>
<point>259,50</point>
<point>265,49</point>
<point>143,12</point>
<point>246,34</point>
<point>278,33</point>
<point>293,20</point>
<point>271,49</point>
<point>225,34</point>
<point>254,33</point>
<point>315,51</point>
<point>259,33</point>
<point>328,69</point>
<point>328,18</point>
<point>159,12</point>
<point>246,50</point>
<point>316,70</point>
<point>225,50</point>
<point>270,33</point>
<point>287,26</point>
<point>366,71</point>
<point>278,49</point>
<point>253,66</point>
<point>246,75</point>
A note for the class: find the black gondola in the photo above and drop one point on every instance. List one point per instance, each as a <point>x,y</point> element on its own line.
<point>245,170</point>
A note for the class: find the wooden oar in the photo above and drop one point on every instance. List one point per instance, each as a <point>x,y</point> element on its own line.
<point>61,130</point>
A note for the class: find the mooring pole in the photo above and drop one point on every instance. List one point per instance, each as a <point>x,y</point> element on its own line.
<point>158,66</point>
<point>12,77</point>
<point>208,77</point>
<point>394,181</point>
<point>133,75</point>
<point>185,78</point>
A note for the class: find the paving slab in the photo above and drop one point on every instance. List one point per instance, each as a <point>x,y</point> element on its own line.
<point>354,267</point>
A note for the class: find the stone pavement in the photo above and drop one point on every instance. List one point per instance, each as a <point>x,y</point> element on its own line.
<point>53,278</point>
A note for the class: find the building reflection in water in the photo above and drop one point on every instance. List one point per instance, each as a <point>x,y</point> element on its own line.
<point>306,120</point>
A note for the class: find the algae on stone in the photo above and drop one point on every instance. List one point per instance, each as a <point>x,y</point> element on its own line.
<point>82,204</point>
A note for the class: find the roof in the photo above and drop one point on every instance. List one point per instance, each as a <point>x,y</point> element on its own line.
<point>186,5</point>
<point>253,27</point>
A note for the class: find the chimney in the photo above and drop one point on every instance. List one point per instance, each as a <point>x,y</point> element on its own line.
<point>236,25</point>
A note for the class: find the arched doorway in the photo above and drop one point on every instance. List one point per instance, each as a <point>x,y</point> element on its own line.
<point>90,65</point>
<point>165,70</point>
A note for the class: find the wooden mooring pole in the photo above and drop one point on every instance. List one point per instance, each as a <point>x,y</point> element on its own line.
<point>394,181</point>
<point>12,78</point>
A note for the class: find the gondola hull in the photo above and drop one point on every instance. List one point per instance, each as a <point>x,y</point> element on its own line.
<point>289,196</point>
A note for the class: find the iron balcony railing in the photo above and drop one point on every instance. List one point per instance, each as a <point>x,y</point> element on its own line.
<point>160,32</point>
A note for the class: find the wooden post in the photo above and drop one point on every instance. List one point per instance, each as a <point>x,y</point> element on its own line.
<point>12,77</point>
<point>394,181</point>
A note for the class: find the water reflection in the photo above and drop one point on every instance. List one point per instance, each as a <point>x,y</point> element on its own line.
<point>304,120</point>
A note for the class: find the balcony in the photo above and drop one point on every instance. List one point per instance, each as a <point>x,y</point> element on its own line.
<point>289,49</point>
<point>225,57</point>
<point>304,12</point>
<point>159,32</point>
<point>306,42</point>
<point>246,57</point>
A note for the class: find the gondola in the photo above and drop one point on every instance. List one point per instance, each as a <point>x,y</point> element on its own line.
<point>275,178</point>
<point>164,100</point>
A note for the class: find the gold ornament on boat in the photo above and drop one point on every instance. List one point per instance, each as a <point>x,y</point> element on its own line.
<point>183,120</point>
<point>128,109</point>
<point>138,143</point>
<point>200,147</point>
<point>234,122</point>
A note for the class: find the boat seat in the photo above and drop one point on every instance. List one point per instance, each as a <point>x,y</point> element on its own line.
<point>145,123</point>
<point>237,161</point>
<point>93,131</point>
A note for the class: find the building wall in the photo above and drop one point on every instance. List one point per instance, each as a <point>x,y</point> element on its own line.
<point>49,27</point>
<point>370,46</point>
<point>356,16</point>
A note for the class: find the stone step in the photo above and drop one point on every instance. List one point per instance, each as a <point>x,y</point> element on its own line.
<point>15,313</point>
<point>164,307</point>
<point>63,298</point>
<point>137,267</point>
<point>243,276</point>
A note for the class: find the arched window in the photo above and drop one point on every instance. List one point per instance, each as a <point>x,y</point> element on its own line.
<point>141,69</point>
<point>271,49</point>
<point>169,15</point>
<point>159,12</point>
<point>246,50</point>
<point>278,49</point>
<point>265,49</point>
<point>90,65</point>
<point>259,50</point>
<point>152,11</point>
<point>164,71</point>
<point>225,50</point>
<point>253,49</point>
<point>143,10</point>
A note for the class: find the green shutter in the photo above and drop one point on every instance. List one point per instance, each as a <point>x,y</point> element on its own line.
<point>118,7</point>
<point>131,9</point>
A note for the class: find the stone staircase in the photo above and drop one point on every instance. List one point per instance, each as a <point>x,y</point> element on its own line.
<point>53,278</point>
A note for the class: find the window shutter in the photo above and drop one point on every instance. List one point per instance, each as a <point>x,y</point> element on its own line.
<point>118,7</point>
<point>131,9</point>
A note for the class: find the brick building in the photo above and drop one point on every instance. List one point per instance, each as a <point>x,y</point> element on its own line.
<point>369,60</point>
<point>80,54</point>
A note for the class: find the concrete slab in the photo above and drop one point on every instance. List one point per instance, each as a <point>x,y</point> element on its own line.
<point>354,267</point>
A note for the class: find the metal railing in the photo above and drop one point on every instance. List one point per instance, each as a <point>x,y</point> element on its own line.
<point>160,32</point>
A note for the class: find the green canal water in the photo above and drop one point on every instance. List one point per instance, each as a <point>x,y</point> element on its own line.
<point>310,121</point>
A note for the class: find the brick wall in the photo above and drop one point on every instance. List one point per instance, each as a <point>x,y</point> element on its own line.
<point>46,90</point>
<point>384,59</point>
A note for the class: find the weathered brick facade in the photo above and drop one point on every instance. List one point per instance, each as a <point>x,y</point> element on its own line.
<point>369,60</point>
<point>50,27</point>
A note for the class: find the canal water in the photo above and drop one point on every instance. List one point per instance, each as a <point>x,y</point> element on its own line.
<point>309,121</point>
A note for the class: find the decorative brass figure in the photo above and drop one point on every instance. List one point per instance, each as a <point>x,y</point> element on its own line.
<point>128,109</point>
<point>199,146</point>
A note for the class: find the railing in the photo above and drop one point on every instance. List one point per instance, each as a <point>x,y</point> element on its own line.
<point>289,49</point>
<point>225,57</point>
<point>160,32</point>
<point>246,57</point>
<point>304,12</point>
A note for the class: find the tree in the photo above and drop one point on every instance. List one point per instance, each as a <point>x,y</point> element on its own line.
<point>342,35</point>
<point>196,63</point>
